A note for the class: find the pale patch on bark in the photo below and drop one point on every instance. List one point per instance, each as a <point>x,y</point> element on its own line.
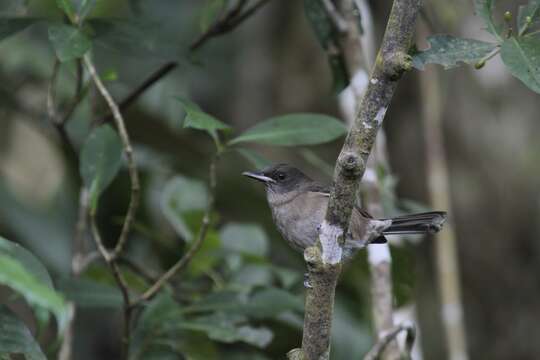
<point>380,115</point>
<point>329,236</point>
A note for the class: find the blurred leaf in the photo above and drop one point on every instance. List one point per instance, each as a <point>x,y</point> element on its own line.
<point>271,302</point>
<point>87,293</point>
<point>84,8</point>
<point>522,58</point>
<point>149,327</point>
<point>206,258</point>
<point>67,7</point>
<point>198,119</point>
<point>532,10</point>
<point>100,160</point>
<point>224,327</point>
<point>252,275</point>
<point>326,35</point>
<point>27,260</point>
<point>340,75</point>
<point>294,130</point>
<point>210,12</point>
<point>15,338</point>
<point>351,337</point>
<point>321,24</point>
<point>286,277</point>
<point>311,157</point>
<point>257,160</point>
<point>180,196</point>
<point>15,274</point>
<point>484,9</point>
<point>10,26</point>
<point>132,38</point>
<point>449,51</point>
<point>69,42</point>
<point>248,239</point>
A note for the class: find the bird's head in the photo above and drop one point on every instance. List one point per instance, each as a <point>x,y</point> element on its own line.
<point>280,178</point>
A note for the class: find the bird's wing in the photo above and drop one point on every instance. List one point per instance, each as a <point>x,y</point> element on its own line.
<point>325,190</point>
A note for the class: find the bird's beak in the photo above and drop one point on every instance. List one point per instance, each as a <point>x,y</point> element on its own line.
<point>259,177</point>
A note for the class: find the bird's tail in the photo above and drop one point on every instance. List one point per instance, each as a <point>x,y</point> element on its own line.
<point>421,223</point>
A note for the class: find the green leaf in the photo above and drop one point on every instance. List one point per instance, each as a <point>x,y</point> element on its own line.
<point>27,259</point>
<point>15,274</point>
<point>252,275</point>
<point>86,293</point>
<point>294,130</point>
<point>449,51</point>
<point>227,328</point>
<point>248,239</point>
<point>69,42</point>
<point>257,160</point>
<point>100,160</point>
<point>10,26</point>
<point>181,196</point>
<point>15,338</point>
<point>84,8</point>
<point>326,35</point>
<point>198,119</point>
<point>522,58</point>
<point>271,302</point>
<point>67,7</point>
<point>531,10</point>
<point>210,12</point>
<point>484,9</point>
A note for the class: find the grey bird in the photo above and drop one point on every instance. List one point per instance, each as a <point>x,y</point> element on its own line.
<point>299,204</point>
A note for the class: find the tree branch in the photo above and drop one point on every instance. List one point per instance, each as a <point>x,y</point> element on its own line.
<point>188,256</point>
<point>380,259</point>
<point>324,262</point>
<point>225,24</point>
<point>377,350</point>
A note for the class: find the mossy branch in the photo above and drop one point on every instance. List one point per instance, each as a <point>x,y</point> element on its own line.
<point>324,261</point>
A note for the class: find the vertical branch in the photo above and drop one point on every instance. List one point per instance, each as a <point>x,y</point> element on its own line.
<point>379,257</point>
<point>446,247</point>
<point>324,260</point>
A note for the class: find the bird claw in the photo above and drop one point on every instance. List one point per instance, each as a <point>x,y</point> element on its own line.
<point>307,285</point>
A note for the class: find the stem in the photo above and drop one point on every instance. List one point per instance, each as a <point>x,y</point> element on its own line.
<point>132,167</point>
<point>439,191</point>
<point>120,281</point>
<point>188,256</point>
<point>377,350</point>
<point>324,265</point>
<point>226,24</point>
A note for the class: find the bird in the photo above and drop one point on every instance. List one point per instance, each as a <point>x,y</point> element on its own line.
<point>298,205</point>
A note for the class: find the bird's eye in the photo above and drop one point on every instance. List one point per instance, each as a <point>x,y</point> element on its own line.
<point>281,176</point>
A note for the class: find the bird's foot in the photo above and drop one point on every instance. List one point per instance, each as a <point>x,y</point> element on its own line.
<point>307,285</point>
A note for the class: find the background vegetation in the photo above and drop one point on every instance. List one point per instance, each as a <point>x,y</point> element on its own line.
<point>241,296</point>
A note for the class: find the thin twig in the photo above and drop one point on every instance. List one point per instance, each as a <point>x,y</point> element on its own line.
<point>132,167</point>
<point>223,25</point>
<point>120,281</point>
<point>377,350</point>
<point>188,256</point>
<point>339,23</point>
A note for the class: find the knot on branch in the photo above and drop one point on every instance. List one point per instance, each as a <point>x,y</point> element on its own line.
<point>395,63</point>
<point>312,257</point>
<point>351,164</point>
<point>296,354</point>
